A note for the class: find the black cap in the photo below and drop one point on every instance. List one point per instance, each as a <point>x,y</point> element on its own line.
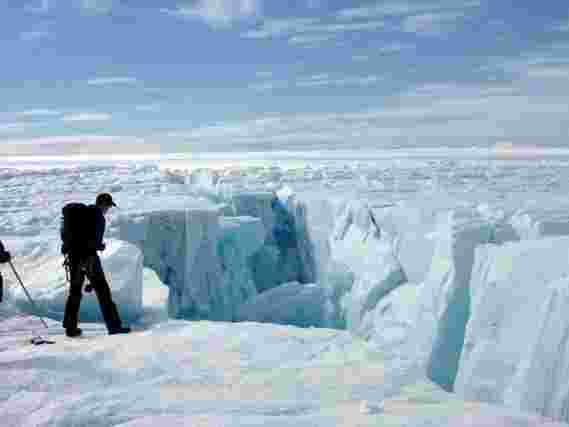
<point>105,199</point>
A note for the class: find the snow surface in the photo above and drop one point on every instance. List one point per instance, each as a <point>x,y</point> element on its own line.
<point>204,373</point>
<point>394,251</point>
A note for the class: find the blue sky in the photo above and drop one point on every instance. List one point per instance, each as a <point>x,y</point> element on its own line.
<point>95,76</point>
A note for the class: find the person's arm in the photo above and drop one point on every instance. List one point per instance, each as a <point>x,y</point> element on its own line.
<point>100,232</point>
<point>4,254</point>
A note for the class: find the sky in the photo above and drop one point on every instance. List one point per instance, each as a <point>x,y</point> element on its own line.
<point>136,76</point>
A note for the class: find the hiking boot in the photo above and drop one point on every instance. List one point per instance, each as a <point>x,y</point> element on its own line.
<point>73,332</point>
<point>119,330</point>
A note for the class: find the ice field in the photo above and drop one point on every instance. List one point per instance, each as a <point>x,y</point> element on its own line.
<point>427,289</point>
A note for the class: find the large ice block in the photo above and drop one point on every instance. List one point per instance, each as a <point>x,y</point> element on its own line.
<point>542,376</point>
<point>445,302</point>
<point>239,238</point>
<point>390,325</point>
<point>509,286</point>
<point>359,250</point>
<point>200,256</point>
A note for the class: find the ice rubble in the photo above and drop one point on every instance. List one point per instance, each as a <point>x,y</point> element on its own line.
<point>410,226</point>
<point>536,222</point>
<point>390,325</point>
<point>509,286</point>
<point>475,253</point>
<point>293,304</point>
<point>359,251</point>
<point>48,286</point>
<point>425,316</point>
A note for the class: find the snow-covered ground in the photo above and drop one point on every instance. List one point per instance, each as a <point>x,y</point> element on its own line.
<point>346,291</point>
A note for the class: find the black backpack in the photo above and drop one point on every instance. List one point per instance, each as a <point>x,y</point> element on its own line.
<point>77,228</point>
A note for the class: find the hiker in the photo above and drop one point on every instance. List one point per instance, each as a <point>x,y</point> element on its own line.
<point>83,261</point>
<point>4,258</point>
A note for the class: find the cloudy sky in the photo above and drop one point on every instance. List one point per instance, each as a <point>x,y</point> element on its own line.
<point>138,76</point>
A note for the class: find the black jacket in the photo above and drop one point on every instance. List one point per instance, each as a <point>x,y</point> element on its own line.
<point>99,223</point>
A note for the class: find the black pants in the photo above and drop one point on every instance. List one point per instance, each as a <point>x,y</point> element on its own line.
<point>90,267</point>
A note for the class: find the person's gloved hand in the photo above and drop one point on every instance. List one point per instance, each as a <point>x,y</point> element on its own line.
<point>5,256</point>
<point>89,288</point>
<point>101,247</point>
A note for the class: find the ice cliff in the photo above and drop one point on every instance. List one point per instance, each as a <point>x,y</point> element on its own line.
<point>201,257</point>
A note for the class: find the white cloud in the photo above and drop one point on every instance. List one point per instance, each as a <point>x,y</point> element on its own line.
<point>96,7</point>
<point>319,80</point>
<point>41,6</point>
<point>308,30</point>
<point>394,48</point>
<point>18,126</point>
<point>12,127</point>
<point>148,108</point>
<point>83,145</point>
<point>267,86</point>
<point>34,35</point>
<point>107,81</point>
<point>563,27</point>
<point>395,9</point>
<point>549,72</point>
<point>361,58</point>
<point>380,11</point>
<point>218,12</point>
<point>349,27</point>
<point>432,23</point>
<point>457,115</point>
<point>325,80</point>
<point>430,17</point>
<point>315,4</point>
<point>86,117</point>
<point>279,27</point>
<point>544,70</point>
<point>38,112</point>
<point>310,40</point>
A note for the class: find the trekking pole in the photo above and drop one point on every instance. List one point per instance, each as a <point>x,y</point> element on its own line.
<point>27,293</point>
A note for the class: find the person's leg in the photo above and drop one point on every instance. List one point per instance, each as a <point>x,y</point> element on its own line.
<point>1,288</point>
<point>103,291</point>
<point>76,277</point>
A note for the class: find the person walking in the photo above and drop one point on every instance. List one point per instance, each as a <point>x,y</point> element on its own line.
<point>83,261</point>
